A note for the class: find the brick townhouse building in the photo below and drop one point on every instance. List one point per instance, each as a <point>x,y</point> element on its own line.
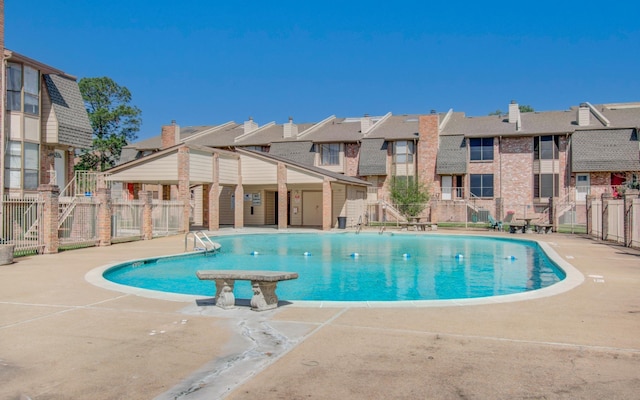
<point>43,122</point>
<point>516,161</point>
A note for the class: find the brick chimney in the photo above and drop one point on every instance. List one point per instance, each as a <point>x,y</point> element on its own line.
<point>290,130</point>
<point>170,135</point>
<point>365,123</point>
<point>250,126</point>
<point>584,114</point>
<point>427,149</point>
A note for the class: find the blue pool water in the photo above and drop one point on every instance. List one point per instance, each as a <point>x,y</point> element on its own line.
<point>386,267</point>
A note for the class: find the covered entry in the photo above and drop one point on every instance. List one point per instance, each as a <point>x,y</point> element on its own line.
<point>244,187</point>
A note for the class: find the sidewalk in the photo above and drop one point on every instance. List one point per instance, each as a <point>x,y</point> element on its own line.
<point>64,338</point>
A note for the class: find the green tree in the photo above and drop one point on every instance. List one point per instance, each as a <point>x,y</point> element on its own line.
<point>525,108</point>
<point>114,121</point>
<point>409,196</point>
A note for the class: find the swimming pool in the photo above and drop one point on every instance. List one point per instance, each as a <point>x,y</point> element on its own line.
<point>365,267</point>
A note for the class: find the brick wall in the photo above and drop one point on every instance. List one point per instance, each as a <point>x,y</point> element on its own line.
<point>513,171</point>
<point>427,151</point>
<point>351,159</point>
<point>170,135</point>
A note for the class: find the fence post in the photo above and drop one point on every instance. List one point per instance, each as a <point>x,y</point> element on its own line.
<point>147,215</point>
<point>552,215</point>
<point>50,194</point>
<point>590,199</point>
<point>605,214</point>
<point>103,195</point>
<point>629,195</point>
<point>434,211</point>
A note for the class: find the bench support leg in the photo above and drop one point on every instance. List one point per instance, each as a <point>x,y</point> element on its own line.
<point>264,296</point>
<point>224,293</point>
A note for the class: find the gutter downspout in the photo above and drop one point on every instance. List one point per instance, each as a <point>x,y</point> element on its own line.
<point>3,122</point>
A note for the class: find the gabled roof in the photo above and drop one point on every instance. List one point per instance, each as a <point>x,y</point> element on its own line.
<point>533,123</point>
<point>299,152</point>
<point>74,128</point>
<point>452,155</point>
<point>396,127</point>
<point>605,150</point>
<point>224,137</point>
<point>373,157</point>
<point>339,130</point>
<point>316,170</point>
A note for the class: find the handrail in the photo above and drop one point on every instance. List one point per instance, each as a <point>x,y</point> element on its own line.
<point>359,225</point>
<point>201,237</point>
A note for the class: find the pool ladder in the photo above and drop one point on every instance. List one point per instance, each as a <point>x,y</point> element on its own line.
<point>201,242</point>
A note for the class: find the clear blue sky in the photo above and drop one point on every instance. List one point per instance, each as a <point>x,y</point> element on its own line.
<point>208,62</point>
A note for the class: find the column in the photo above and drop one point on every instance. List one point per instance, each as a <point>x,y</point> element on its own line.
<point>326,204</point>
<point>283,218</point>
<point>147,215</point>
<point>103,195</point>
<point>214,195</point>
<point>184,194</point>
<point>50,194</point>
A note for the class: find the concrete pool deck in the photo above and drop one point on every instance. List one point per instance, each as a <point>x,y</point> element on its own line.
<point>62,337</point>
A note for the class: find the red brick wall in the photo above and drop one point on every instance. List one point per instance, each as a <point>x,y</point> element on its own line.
<point>427,151</point>
<point>168,135</point>
<point>513,171</point>
<point>351,159</point>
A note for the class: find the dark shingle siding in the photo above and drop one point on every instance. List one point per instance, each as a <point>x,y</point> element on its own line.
<point>373,157</point>
<point>299,152</point>
<point>452,155</point>
<point>605,150</point>
<point>74,128</point>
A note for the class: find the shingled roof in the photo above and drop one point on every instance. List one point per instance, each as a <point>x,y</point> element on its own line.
<point>605,150</point>
<point>74,128</point>
<point>299,152</point>
<point>373,157</point>
<point>452,155</point>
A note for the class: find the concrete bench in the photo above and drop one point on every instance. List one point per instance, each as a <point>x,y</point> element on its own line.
<point>517,228</point>
<point>543,228</point>
<point>263,283</point>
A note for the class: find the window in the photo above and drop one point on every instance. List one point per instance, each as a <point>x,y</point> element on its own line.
<point>546,147</point>
<point>403,151</point>
<point>19,176</point>
<point>14,87</point>
<point>12,165</point>
<point>31,90</point>
<point>31,165</point>
<point>330,154</point>
<point>481,149</point>
<point>546,185</point>
<point>481,185</point>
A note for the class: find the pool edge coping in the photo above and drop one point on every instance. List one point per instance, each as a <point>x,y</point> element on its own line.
<point>573,278</point>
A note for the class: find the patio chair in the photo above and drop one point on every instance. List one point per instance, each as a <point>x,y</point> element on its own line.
<point>507,220</point>
<point>493,224</point>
